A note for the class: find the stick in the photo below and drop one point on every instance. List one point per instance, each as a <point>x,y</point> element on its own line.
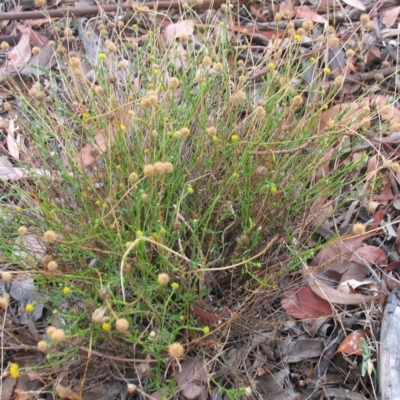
<point>94,10</point>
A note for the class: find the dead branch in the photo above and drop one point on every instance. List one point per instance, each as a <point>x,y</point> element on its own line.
<point>94,10</point>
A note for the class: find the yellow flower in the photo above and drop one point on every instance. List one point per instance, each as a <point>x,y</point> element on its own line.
<point>175,285</point>
<point>313,59</point>
<point>273,189</point>
<point>106,326</point>
<point>297,37</point>
<point>14,370</point>
<point>66,290</point>
<point>206,330</point>
<point>234,138</point>
<point>327,70</point>
<point>271,65</point>
<point>29,308</point>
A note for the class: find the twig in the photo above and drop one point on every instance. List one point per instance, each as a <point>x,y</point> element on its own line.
<point>115,358</point>
<point>94,10</point>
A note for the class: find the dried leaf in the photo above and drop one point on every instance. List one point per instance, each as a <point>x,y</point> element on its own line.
<point>13,143</point>
<point>350,344</point>
<point>351,285</point>
<point>356,4</point>
<point>305,304</point>
<point>390,15</point>
<point>66,393</point>
<point>20,54</point>
<point>192,378</point>
<point>392,114</point>
<point>334,296</point>
<point>306,12</point>
<point>179,29</point>
<point>372,255</point>
<point>86,154</point>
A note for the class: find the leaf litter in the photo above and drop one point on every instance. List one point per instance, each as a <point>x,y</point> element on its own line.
<point>338,278</point>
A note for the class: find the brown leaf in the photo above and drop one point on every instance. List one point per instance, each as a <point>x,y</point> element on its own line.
<point>342,250</point>
<point>372,255</point>
<point>351,285</point>
<point>334,296</point>
<point>356,4</point>
<point>390,15</point>
<point>304,304</point>
<point>306,12</point>
<point>20,54</point>
<point>392,114</point>
<point>192,378</point>
<point>351,343</point>
<point>348,114</point>
<point>66,393</point>
<point>86,154</point>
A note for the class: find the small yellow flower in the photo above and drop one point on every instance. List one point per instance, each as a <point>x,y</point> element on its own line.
<point>271,65</point>
<point>235,175</point>
<point>273,189</point>
<point>313,59</point>
<point>139,232</point>
<point>234,138</point>
<point>106,326</point>
<point>175,285</point>
<point>297,37</point>
<point>206,330</point>
<point>190,189</point>
<point>163,231</point>
<point>14,370</point>
<point>66,290</point>
<point>181,317</point>
<point>327,70</point>
<point>102,56</point>
<point>30,308</point>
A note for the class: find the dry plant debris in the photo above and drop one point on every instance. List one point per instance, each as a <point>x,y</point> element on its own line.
<point>198,200</point>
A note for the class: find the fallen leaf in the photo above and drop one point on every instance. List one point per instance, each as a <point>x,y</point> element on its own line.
<point>20,54</point>
<point>192,379</point>
<point>390,15</point>
<point>86,154</point>
<point>371,254</point>
<point>13,140</point>
<point>66,393</point>
<point>306,12</point>
<point>334,296</point>
<point>342,250</point>
<point>351,343</point>
<point>351,285</point>
<point>305,304</point>
<point>391,113</point>
<point>356,4</point>
<point>178,29</point>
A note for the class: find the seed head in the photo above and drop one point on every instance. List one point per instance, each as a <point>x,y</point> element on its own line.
<point>184,132</point>
<point>393,166</point>
<point>99,89</point>
<point>168,167</point>
<point>339,80</point>
<point>218,68</point>
<point>4,46</point>
<point>163,279</point>
<point>58,335</point>
<point>278,17</point>
<point>212,130</point>
<point>379,77</point>
<point>40,96</point>
<point>133,177</point>
<point>307,25</point>
<point>35,50</point>
<point>239,96</point>
<point>287,14</point>
<point>259,112</point>
<point>298,100</point>
<point>40,3</point>
<point>364,19</point>
<point>50,236</point>
<point>371,26</point>
<point>131,388</point>
<point>52,266</point>
<point>22,230</point>
<point>33,91</point>
<point>333,42</point>
<point>148,170</point>
<point>42,346</point>
<point>110,46</point>
<point>7,106</point>
<point>6,276</point>
<point>350,53</point>
<point>68,32</point>
<point>207,61</point>
<point>176,350</point>
<point>173,83</point>
<point>121,325</point>
<point>5,300</point>
<point>358,229</point>
<point>74,62</point>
